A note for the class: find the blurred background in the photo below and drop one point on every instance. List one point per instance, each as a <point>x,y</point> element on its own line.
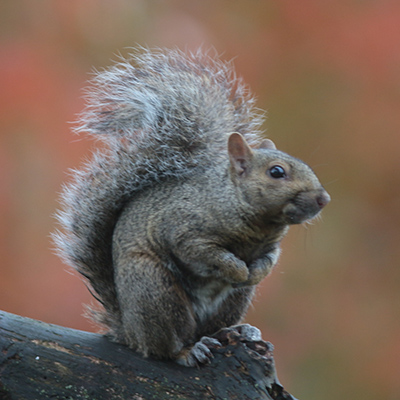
<point>328,73</point>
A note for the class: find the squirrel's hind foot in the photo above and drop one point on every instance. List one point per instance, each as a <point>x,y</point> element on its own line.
<point>198,354</point>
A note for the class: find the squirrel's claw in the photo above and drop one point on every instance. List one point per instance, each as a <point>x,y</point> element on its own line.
<point>200,353</point>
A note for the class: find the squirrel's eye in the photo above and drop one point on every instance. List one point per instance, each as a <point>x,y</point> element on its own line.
<point>277,172</point>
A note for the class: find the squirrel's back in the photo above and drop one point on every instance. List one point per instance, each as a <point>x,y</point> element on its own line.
<point>161,115</point>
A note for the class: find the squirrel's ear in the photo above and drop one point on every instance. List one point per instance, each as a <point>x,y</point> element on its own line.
<point>267,144</point>
<point>240,154</point>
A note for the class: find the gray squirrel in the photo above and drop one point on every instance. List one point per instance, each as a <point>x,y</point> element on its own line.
<point>180,213</point>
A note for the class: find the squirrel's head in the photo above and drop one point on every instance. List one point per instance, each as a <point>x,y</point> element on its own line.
<point>279,188</point>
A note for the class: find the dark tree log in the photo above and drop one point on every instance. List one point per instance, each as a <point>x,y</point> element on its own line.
<point>44,361</point>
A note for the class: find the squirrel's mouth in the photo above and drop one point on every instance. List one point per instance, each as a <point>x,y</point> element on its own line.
<point>305,206</point>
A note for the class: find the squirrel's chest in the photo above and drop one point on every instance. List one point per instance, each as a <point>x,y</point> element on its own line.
<point>207,299</point>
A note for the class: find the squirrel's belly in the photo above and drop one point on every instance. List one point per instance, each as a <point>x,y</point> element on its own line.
<point>208,298</point>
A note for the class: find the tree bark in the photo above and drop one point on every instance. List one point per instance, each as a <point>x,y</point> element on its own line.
<point>44,361</point>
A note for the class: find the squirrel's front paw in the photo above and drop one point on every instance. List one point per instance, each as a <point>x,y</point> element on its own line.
<point>200,353</point>
<point>234,270</point>
<point>255,277</point>
<point>259,269</point>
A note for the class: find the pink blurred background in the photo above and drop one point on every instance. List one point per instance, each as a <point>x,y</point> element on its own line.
<point>328,74</point>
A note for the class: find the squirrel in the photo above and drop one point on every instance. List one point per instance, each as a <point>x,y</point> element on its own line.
<point>180,213</point>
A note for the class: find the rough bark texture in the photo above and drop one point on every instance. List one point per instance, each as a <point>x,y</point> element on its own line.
<point>44,361</point>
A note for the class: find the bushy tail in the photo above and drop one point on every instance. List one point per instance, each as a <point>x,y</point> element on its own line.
<point>160,114</point>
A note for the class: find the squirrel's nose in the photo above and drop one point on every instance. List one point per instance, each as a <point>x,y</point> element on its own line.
<point>323,199</point>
